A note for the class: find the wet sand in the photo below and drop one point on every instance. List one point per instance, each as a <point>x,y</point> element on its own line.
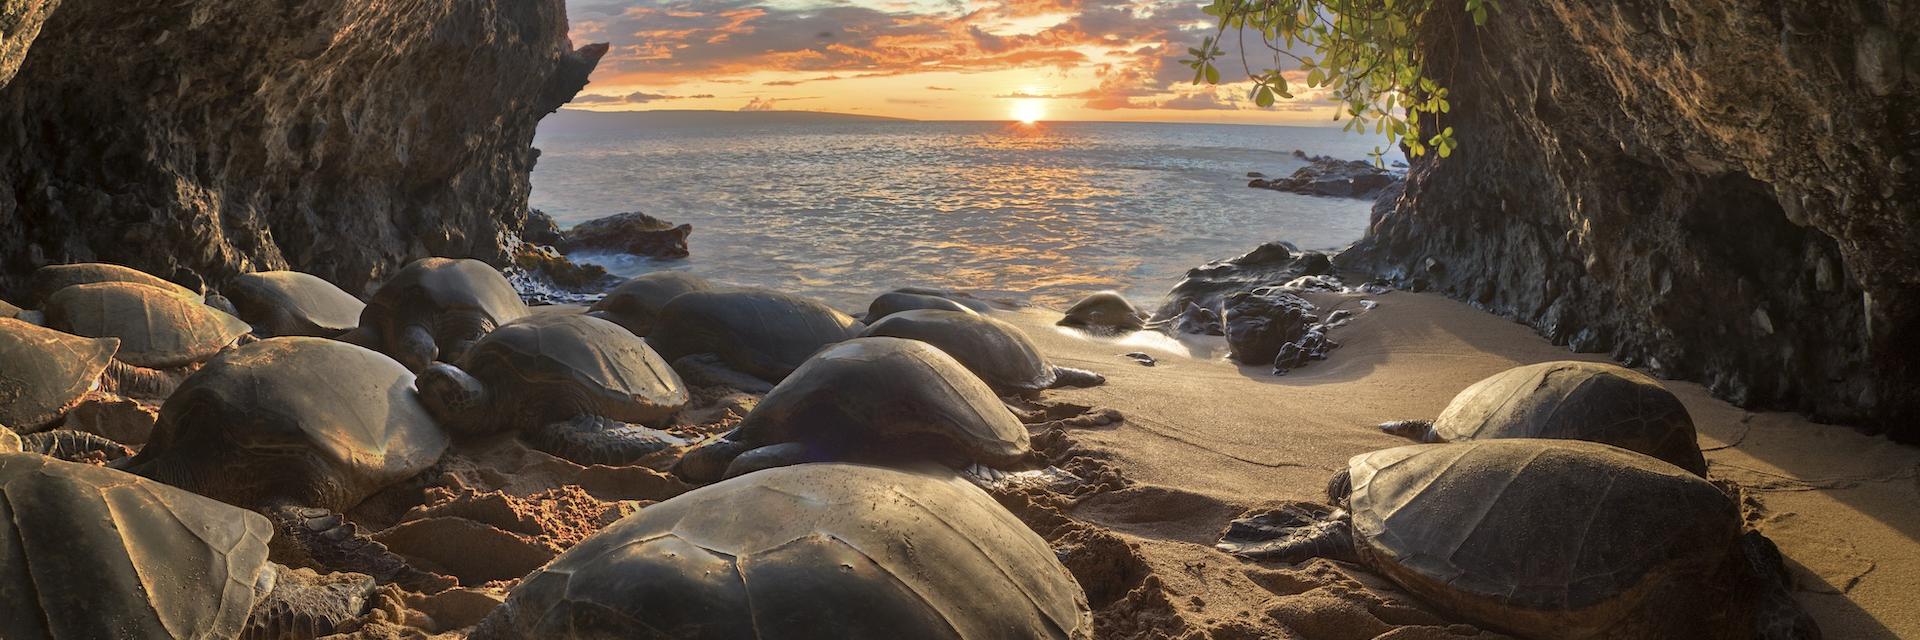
<point>1205,440</point>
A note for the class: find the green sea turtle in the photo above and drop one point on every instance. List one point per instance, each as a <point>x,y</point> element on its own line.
<point>95,553</point>
<point>1545,539</point>
<point>759,332</point>
<point>299,429</point>
<point>871,399</point>
<point>893,302</point>
<point>1569,400</point>
<point>1104,312</point>
<point>998,352</point>
<point>50,279</point>
<point>44,373</point>
<point>162,337</point>
<point>569,383</point>
<point>636,303</point>
<point>812,551</point>
<point>290,303</point>
<point>435,309</point>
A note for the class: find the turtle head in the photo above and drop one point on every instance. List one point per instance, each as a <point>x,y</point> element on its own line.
<point>1776,615</point>
<point>414,347</point>
<point>454,397</point>
<point>1415,430</point>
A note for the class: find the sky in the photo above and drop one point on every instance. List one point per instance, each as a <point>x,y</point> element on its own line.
<point>924,59</point>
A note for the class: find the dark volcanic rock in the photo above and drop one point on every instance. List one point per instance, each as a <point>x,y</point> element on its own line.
<point>632,233</point>
<point>1260,322</point>
<point>1734,202</point>
<point>1324,176</point>
<point>540,229</point>
<point>1207,286</point>
<point>342,139</point>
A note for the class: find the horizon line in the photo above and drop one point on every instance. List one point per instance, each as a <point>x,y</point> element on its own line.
<point>571,109</point>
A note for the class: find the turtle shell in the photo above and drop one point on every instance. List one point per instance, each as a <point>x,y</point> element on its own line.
<point>303,421</point>
<point>155,329</point>
<point>1000,353</point>
<point>893,302</point>
<point>290,303</point>
<point>1588,401</point>
<point>759,332</point>
<point>1103,311</point>
<point>808,551</point>
<point>1545,538</point>
<point>89,552</point>
<point>9,441</point>
<point>9,311</point>
<point>50,279</point>
<point>636,303</point>
<point>886,394</point>
<point>558,355</point>
<point>436,285</point>
<point>42,371</point>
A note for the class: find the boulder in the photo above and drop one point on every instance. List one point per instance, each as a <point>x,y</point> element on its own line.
<point>632,233</point>
<point>1260,322</point>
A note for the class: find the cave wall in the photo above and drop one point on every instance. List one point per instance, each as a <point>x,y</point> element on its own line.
<point>342,138</point>
<point>1720,190</point>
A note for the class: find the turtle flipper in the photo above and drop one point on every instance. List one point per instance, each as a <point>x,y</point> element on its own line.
<point>590,439</point>
<point>785,454</point>
<point>709,461</point>
<point>304,605</point>
<point>1293,533</point>
<point>329,541</point>
<point>1071,377</point>
<point>1415,430</point>
<point>73,446</point>
<point>140,382</point>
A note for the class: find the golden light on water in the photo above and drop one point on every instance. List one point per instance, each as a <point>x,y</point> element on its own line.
<point>1029,110</point>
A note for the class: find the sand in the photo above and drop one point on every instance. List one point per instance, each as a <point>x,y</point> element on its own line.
<point>1205,440</point>
<point>1201,442</point>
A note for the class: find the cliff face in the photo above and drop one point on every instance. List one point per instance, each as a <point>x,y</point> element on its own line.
<point>1725,191</point>
<point>339,138</point>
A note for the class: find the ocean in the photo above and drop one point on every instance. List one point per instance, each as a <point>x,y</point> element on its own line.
<point>843,209</point>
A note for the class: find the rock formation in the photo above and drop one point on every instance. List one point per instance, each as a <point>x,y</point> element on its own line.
<point>1725,191</point>
<point>1331,177</point>
<point>632,233</point>
<point>338,138</point>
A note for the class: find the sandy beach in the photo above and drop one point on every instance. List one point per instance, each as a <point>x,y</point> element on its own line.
<point>1204,440</point>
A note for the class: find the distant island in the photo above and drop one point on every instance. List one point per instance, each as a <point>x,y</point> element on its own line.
<point>583,121</point>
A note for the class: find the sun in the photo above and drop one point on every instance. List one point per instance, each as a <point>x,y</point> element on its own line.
<point>1029,110</point>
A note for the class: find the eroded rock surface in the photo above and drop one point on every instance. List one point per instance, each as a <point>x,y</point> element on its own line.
<point>1331,177</point>
<point>338,138</point>
<point>1719,190</point>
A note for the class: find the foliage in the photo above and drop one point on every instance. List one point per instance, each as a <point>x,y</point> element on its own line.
<point>1364,54</point>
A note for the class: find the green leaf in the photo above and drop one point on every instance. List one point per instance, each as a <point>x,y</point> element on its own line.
<point>1263,97</point>
<point>1213,75</point>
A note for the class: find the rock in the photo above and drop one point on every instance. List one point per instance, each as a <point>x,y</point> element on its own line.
<point>1198,320</point>
<point>231,136</point>
<point>633,233</point>
<point>1207,286</point>
<point>1260,322</point>
<point>1332,177</point>
<point>543,276</point>
<point>540,229</point>
<point>1652,222</point>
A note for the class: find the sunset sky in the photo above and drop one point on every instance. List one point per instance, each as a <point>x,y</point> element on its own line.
<point>924,59</point>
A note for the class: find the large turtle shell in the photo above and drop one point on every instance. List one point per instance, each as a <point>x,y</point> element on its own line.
<point>50,279</point>
<point>1000,353</point>
<point>636,303</point>
<point>42,371</point>
<point>558,354</point>
<point>885,393</point>
<point>440,284</point>
<point>155,329</point>
<point>1570,400</point>
<point>1543,538</point>
<point>304,421</point>
<point>89,552</point>
<point>290,303</point>
<point>893,302</point>
<point>809,551</point>
<point>759,332</point>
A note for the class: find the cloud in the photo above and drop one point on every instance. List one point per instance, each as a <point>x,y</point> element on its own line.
<point>637,97</point>
<point>936,88</point>
<point>763,103</point>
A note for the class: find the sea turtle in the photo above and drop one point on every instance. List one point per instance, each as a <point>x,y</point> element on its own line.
<point>1545,539</point>
<point>998,352</point>
<point>50,279</point>
<point>43,373</point>
<point>162,337</point>
<point>636,303</point>
<point>435,309</point>
<point>876,399</point>
<point>1104,312</point>
<point>290,303</point>
<point>1570,400</point>
<point>96,553</point>
<point>569,383</point>
<point>299,429</point>
<point>759,332</point>
<point>811,551</point>
<point>893,302</point>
